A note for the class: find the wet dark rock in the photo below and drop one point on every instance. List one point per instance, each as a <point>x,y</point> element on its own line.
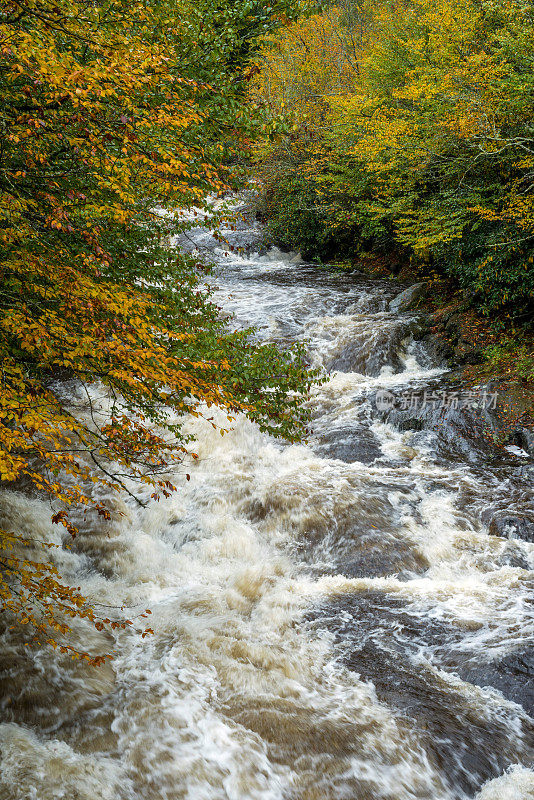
<point>350,445</point>
<point>465,428</point>
<point>441,349</point>
<point>411,424</point>
<point>372,348</point>
<point>524,438</point>
<point>407,299</point>
<point>512,675</point>
<point>373,561</point>
<point>378,638</point>
<point>372,554</point>
<point>512,525</point>
<point>455,346</point>
<point>467,353</point>
<point>512,556</point>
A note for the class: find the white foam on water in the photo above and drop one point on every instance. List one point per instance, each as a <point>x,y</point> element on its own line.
<point>51,770</point>
<point>517,451</point>
<point>516,784</point>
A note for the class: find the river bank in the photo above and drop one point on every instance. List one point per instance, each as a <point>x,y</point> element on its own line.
<point>483,356</point>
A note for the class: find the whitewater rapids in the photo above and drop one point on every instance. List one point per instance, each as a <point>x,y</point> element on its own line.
<point>324,614</point>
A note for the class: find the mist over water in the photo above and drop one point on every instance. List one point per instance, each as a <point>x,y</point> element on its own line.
<point>332,620</point>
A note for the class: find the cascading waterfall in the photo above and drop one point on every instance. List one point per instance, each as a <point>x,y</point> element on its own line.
<point>331,619</point>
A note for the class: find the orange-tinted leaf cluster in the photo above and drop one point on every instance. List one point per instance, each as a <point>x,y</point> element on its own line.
<point>101,123</point>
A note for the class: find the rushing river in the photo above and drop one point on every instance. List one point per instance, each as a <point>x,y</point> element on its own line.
<point>332,620</point>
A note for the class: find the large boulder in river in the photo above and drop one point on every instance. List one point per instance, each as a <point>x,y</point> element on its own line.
<point>524,438</point>
<point>350,445</point>
<point>512,525</point>
<point>407,299</point>
<point>512,674</point>
<point>462,430</point>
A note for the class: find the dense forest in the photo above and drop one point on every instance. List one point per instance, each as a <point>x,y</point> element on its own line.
<point>409,132</point>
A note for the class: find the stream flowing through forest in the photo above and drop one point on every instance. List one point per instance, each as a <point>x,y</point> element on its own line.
<point>332,620</point>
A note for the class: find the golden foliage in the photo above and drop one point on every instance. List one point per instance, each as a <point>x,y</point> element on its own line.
<point>425,122</point>
<point>101,122</point>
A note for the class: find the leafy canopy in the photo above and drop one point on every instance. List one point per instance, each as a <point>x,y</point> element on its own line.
<point>108,111</point>
<point>411,132</point>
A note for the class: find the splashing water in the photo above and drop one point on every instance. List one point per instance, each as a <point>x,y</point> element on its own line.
<point>332,620</point>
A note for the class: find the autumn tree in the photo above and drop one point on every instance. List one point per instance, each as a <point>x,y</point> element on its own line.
<point>111,112</point>
<point>425,147</point>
